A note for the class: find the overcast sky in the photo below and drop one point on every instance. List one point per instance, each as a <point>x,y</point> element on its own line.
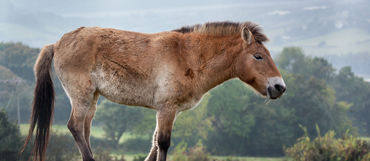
<point>39,22</point>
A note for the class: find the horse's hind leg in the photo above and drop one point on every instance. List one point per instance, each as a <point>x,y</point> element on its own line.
<point>82,97</point>
<point>88,120</point>
<point>76,123</point>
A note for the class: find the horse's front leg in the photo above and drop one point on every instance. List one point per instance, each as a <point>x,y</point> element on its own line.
<point>153,151</point>
<point>165,120</point>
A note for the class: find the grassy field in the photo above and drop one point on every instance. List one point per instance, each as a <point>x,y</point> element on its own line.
<point>98,132</point>
<point>62,129</point>
<point>365,138</point>
<point>130,157</point>
<point>252,158</point>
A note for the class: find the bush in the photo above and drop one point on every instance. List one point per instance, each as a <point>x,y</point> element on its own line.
<point>61,147</point>
<point>10,139</point>
<point>196,153</point>
<point>139,158</point>
<point>329,148</point>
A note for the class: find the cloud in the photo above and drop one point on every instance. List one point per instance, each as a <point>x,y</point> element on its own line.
<point>311,8</point>
<point>339,24</point>
<point>279,12</point>
<point>159,11</point>
<point>286,37</point>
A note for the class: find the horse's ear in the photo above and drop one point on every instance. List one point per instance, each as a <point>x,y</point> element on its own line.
<point>247,35</point>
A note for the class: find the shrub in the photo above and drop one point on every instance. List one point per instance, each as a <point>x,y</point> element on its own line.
<point>61,147</point>
<point>329,148</point>
<point>139,158</point>
<point>10,139</point>
<point>196,153</point>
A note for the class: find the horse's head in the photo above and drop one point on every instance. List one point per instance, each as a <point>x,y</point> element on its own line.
<point>255,66</point>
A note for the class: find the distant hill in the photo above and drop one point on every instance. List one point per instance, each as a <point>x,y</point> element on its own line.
<point>9,83</point>
<point>359,62</point>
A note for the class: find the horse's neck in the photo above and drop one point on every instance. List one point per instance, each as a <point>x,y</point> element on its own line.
<point>220,65</point>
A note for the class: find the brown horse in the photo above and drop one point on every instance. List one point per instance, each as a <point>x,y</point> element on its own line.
<point>167,71</point>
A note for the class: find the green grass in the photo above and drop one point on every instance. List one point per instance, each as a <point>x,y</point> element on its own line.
<point>365,138</point>
<point>96,131</point>
<point>130,157</point>
<point>251,158</point>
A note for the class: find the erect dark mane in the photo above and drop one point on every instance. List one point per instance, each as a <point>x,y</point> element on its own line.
<point>224,29</point>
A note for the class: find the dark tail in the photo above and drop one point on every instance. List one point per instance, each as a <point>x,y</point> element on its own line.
<point>43,104</point>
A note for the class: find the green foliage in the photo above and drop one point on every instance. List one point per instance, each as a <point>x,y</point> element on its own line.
<point>139,158</point>
<point>230,117</point>
<point>293,60</point>
<point>179,152</point>
<point>329,148</point>
<point>314,95</point>
<point>103,155</point>
<point>14,94</point>
<point>354,91</point>
<point>10,139</point>
<point>245,124</point>
<point>196,153</point>
<point>61,147</point>
<point>269,126</point>
<point>19,58</point>
<point>137,145</point>
<point>184,129</point>
<point>117,119</point>
<point>230,159</point>
<point>227,107</point>
<point>17,79</point>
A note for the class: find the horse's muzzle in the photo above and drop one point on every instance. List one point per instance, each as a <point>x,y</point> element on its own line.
<point>276,87</point>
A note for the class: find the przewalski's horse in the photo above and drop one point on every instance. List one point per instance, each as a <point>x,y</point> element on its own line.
<point>166,71</point>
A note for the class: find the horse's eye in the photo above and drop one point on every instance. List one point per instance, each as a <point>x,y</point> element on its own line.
<point>258,57</point>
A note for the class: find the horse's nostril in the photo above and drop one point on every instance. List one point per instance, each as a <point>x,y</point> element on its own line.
<point>280,88</point>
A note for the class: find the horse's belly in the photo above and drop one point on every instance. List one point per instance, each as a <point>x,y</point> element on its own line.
<point>123,90</point>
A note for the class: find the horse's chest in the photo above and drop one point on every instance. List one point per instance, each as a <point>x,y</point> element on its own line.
<point>176,90</point>
<point>190,103</point>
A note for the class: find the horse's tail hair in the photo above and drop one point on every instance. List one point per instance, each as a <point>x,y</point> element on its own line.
<point>42,105</point>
